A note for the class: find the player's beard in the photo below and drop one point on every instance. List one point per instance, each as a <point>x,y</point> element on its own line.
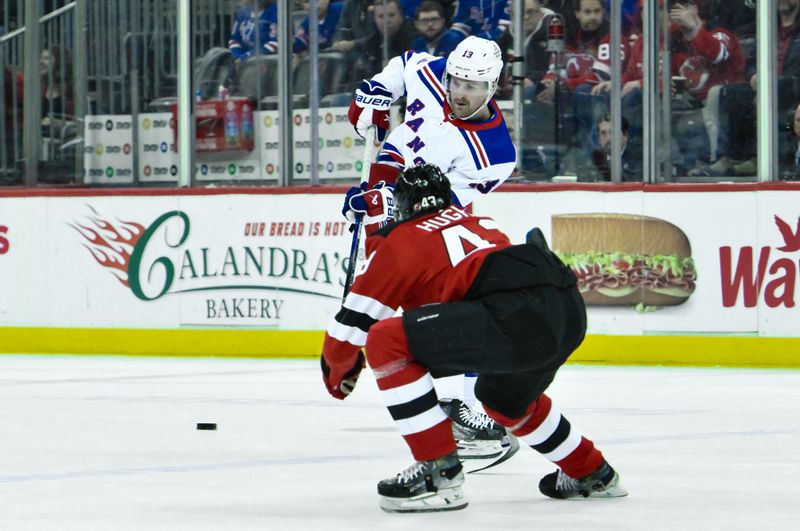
<point>461,108</point>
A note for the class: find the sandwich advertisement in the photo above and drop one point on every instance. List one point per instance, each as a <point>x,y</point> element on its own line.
<point>626,259</point>
<point>665,262</point>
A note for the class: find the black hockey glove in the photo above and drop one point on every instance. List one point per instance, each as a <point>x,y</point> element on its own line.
<point>341,385</point>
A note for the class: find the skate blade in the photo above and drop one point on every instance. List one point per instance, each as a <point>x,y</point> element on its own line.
<point>616,492</point>
<point>451,499</point>
<point>479,449</point>
<point>508,452</point>
<point>612,490</point>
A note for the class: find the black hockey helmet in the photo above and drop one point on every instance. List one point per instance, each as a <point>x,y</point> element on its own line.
<point>422,188</point>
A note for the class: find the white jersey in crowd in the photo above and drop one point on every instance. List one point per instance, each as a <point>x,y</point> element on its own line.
<point>476,156</point>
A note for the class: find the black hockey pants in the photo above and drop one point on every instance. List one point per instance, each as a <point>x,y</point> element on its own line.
<point>522,318</point>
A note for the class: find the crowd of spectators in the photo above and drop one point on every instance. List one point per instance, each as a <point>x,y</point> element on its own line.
<point>712,65</point>
<point>712,58</point>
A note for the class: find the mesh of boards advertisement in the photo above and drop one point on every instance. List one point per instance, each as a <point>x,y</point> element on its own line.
<point>109,152</point>
<point>647,263</point>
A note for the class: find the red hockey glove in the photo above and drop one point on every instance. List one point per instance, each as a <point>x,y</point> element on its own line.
<point>341,385</point>
<point>370,106</point>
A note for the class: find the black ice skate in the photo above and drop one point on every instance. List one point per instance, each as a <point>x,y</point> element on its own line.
<point>425,486</point>
<point>602,483</point>
<point>477,435</point>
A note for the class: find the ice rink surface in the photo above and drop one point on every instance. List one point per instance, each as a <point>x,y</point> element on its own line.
<point>106,443</point>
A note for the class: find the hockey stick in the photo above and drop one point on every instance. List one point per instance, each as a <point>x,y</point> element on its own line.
<point>369,154</point>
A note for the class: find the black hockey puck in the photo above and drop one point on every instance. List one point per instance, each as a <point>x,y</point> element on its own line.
<point>206,425</point>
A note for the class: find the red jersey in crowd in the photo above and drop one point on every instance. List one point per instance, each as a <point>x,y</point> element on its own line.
<point>588,58</point>
<point>712,57</point>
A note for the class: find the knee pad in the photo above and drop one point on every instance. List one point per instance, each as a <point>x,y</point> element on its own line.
<point>386,342</point>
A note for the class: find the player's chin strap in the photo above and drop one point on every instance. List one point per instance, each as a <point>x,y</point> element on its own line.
<point>490,93</point>
<point>453,116</point>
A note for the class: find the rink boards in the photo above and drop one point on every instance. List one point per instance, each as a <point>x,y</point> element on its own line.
<point>259,272</point>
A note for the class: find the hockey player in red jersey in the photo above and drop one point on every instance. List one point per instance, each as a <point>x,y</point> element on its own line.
<point>473,302</point>
<point>452,121</point>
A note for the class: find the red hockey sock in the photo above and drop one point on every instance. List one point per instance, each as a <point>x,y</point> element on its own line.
<point>408,392</point>
<point>545,429</point>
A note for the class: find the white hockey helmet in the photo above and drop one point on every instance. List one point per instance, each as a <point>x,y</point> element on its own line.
<point>475,59</point>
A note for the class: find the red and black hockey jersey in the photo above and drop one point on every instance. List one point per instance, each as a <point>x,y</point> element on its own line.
<point>587,58</point>
<point>712,57</point>
<point>430,259</point>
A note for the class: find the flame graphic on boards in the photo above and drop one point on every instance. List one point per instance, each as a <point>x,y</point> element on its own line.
<point>111,244</point>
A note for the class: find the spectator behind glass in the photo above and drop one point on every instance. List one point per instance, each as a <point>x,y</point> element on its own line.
<point>562,7</point>
<point>709,58</point>
<point>13,92</point>
<point>391,26</point>
<point>355,27</point>
<point>601,153</point>
<point>737,102</point>
<point>739,15</point>
<point>586,50</point>
<point>328,14</point>
<point>483,18</point>
<point>410,8</point>
<point>55,69</point>
<point>242,42</point>
<point>537,59</point>
<point>631,15</point>
<point>433,35</point>
<point>587,68</point>
<point>790,148</point>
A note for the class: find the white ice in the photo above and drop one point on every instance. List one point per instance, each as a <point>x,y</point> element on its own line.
<point>110,443</point>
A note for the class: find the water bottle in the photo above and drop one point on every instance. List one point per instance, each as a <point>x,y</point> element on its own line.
<point>222,92</point>
<point>198,95</point>
<point>231,125</point>
<point>555,34</point>
<point>247,123</point>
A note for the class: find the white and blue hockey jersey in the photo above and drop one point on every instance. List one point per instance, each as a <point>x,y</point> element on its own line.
<point>242,42</point>
<point>476,156</point>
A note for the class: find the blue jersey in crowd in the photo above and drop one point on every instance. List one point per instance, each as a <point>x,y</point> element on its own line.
<point>445,44</point>
<point>327,27</point>
<point>243,37</point>
<point>410,8</point>
<point>482,18</point>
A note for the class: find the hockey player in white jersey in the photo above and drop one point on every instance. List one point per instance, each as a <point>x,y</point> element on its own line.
<point>451,121</point>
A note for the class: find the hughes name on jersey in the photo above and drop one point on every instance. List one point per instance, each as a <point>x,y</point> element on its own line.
<point>438,256</point>
<point>475,156</point>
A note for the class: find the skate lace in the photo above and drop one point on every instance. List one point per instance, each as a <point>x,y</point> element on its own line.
<point>411,473</point>
<point>474,419</point>
<point>564,483</point>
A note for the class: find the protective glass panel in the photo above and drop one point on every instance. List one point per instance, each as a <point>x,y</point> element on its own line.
<point>712,111</point>
<point>12,91</point>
